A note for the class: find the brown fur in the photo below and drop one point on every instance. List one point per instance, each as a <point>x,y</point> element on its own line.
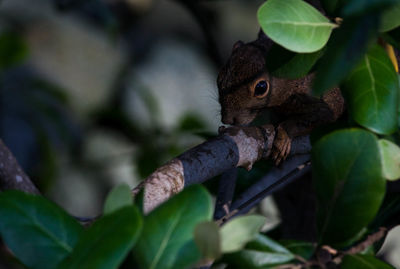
<point>247,66</point>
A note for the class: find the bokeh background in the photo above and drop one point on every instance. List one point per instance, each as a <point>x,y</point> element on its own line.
<point>94,93</point>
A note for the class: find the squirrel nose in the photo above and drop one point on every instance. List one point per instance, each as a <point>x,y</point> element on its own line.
<point>228,120</point>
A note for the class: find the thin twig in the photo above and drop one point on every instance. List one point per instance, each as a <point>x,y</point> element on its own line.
<point>251,197</point>
<point>225,194</point>
<point>369,241</point>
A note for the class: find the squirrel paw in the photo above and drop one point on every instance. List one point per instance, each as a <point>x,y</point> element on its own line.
<point>282,145</point>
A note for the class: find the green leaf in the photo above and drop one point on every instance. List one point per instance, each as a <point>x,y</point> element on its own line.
<point>362,262</point>
<point>259,253</point>
<point>239,231</point>
<point>361,7</point>
<point>191,122</point>
<point>348,182</point>
<point>118,197</point>
<point>286,64</point>
<point>372,91</point>
<point>390,156</point>
<point>390,19</point>
<point>300,248</point>
<point>344,50</point>
<point>256,259</point>
<point>138,200</point>
<point>207,239</point>
<point>264,243</point>
<point>167,237</point>
<point>388,212</point>
<point>13,50</point>
<point>107,242</point>
<point>37,231</point>
<point>295,25</point>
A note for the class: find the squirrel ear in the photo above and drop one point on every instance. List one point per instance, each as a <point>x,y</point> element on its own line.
<point>261,34</point>
<point>237,45</point>
<point>263,41</point>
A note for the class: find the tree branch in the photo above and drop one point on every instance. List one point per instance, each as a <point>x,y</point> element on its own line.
<point>12,177</point>
<point>276,179</point>
<point>226,190</point>
<point>234,147</point>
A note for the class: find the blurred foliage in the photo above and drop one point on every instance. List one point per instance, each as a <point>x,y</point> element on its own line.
<point>34,118</point>
<point>13,50</point>
<point>118,197</point>
<point>362,261</point>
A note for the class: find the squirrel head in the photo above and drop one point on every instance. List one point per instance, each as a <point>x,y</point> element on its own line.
<point>243,84</point>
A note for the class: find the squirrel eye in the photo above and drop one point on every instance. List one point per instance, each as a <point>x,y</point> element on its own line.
<point>261,89</point>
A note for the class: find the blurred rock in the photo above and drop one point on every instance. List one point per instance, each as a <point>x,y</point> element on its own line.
<point>180,79</point>
<point>77,191</point>
<point>81,60</point>
<point>112,154</point>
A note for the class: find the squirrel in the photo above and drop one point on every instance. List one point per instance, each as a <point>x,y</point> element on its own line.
<point>245,88</point>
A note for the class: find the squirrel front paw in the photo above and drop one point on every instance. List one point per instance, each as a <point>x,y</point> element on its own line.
<point>281,146</point>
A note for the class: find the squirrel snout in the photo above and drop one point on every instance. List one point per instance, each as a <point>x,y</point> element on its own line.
<point>227,119</point>
<point>238,119</point>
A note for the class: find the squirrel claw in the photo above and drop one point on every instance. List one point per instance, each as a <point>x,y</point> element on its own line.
<point>282,146</point>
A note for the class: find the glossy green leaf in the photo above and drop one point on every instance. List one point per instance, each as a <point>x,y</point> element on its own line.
<point>344,50</point>
<point>167,237</point>
<point>372,91</point>
<point>139,200</point>
<point>295,25</point>
<point>37,231</point>
<point>13,50</point>
<point>107,242</point>
<point>390,19</point>
<point>264,243</point>
<point>248,258</point>
<point>118,197</point>
<point>207,239</point>
<point>363,262</point>
<point>239,231</point>
<point>287,64</point>
<point>349,184</point>
<point>259,253</point>
<point>300,248</point>
<point>390,156</point>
